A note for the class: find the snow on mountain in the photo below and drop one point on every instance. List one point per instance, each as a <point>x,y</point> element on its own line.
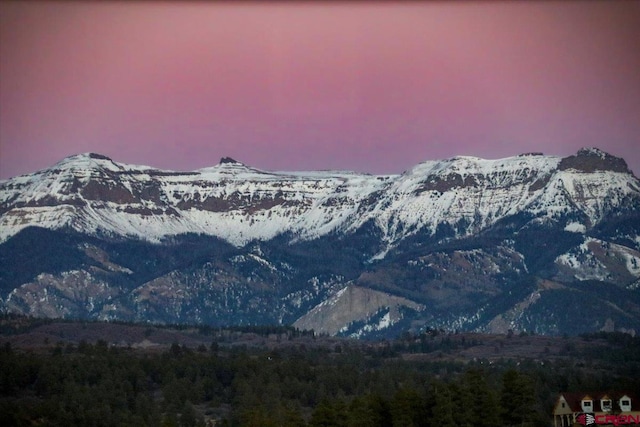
<point>93,194</point>
<point>529,242</point>
<point>468,189</point>
<point>595,259</point>
<point>352,304</point>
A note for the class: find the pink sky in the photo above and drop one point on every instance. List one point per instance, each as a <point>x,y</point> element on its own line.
<point>373,87</point>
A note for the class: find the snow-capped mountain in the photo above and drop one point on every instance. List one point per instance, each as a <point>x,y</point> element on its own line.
<point>447,241</point>
<point>93,194</point>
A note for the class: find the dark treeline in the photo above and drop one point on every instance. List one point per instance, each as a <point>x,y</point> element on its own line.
<point>95,384</point>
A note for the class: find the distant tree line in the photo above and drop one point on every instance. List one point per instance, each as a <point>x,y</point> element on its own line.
<point>96,384</point>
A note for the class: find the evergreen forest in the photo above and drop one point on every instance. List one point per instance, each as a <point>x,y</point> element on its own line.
<point>306,381</point>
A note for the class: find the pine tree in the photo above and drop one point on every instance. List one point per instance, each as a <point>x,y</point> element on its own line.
<point>483,401</point>
<point>329,414</point>
<point>408,408</point>
<point>443,406</point>
<point>516,398</point>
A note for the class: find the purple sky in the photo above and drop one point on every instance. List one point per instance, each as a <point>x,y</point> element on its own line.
<point>373,87</point>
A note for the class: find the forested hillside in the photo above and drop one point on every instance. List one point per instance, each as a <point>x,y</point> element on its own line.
<point>284,377</point>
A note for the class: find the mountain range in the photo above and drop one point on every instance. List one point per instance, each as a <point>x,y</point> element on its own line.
<point>533,242</point>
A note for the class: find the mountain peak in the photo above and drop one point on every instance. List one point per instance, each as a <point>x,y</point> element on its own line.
<point>229,160</point>
<point>86,161</point>
<point>87,156</point>
<point>592,152</point>
<point>97,156</point>
<point>591,159</point>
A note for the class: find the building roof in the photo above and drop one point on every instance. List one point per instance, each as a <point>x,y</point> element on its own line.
<point>574,400</point>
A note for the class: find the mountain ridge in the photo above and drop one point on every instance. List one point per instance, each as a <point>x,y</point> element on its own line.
<point>461,243</point>
<point>84,182</point>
